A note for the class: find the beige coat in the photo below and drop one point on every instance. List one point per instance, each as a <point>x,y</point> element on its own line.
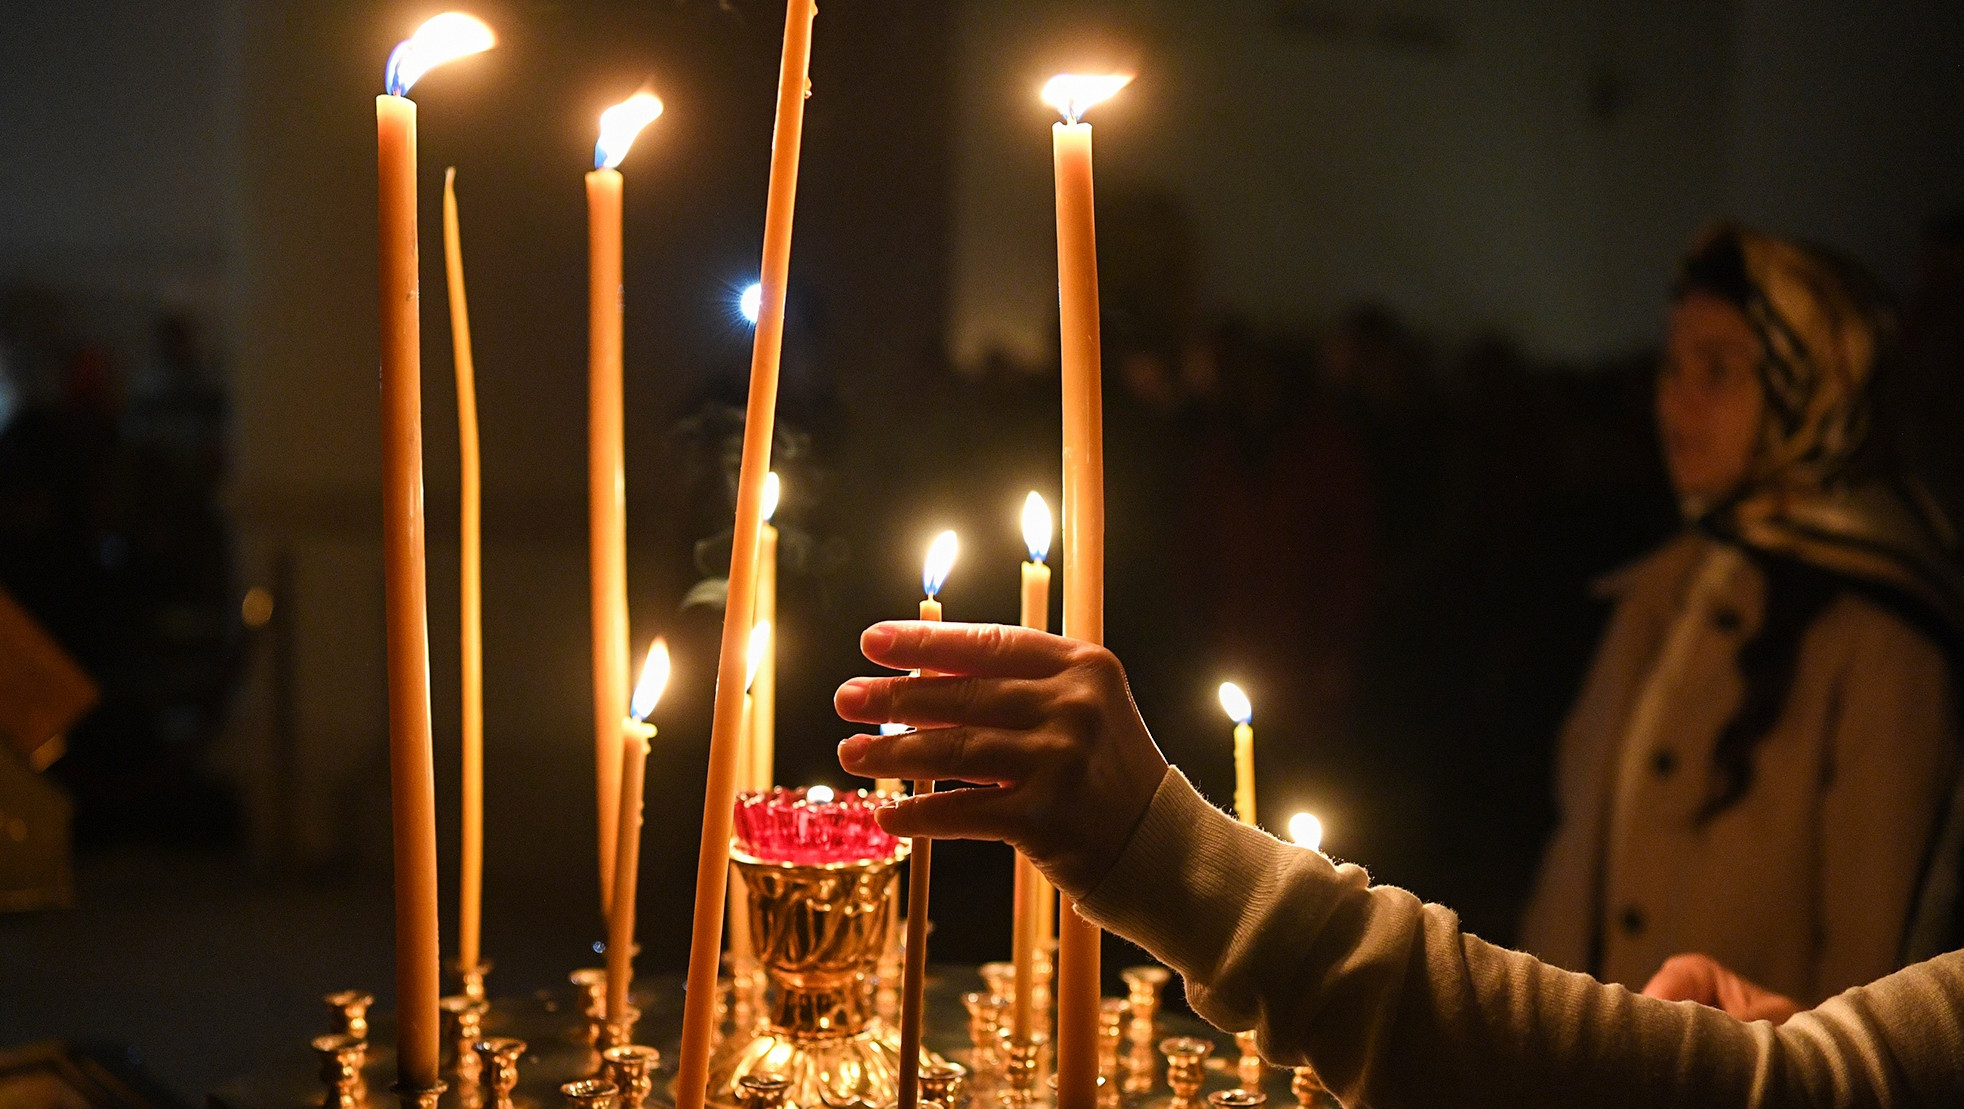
<point>1805,883</point>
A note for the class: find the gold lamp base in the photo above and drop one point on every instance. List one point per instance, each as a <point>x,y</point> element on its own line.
<point>819,931</point>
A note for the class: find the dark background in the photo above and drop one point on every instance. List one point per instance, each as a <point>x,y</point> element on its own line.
<point>1380,281</point>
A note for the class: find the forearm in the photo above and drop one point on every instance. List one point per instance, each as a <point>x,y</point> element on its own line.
<point>1395,1006</point>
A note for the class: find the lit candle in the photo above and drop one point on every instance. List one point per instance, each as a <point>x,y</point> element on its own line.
<point>1084,521</point>
<point>890,785</point>
<point>412,778</point>
<point>763,687</point>
<point>719,790</point>
<point>1033,896</point>
<point>1306,831</point>
<point>470,857</point>
<point>1241,712</point>
<point>913,976</point>
<point>606,483</point>
<point>635,734</point>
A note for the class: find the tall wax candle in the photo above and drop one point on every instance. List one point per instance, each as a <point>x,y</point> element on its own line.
<point>1235,702</point>
<point>763,687</point>
<point>719,790</point>
<point>636,732</point>
<point>470,861</point>
<point>1084,523</point>
<point>1032,896</point>
<point>412,779</point>
<point>913,974</point>
<point>742,943</point>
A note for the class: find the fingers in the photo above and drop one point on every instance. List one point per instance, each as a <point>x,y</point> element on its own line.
<point>1685,978</point>
<point>953,754</point>
<point>992,650</point>
<point>983,812</point>
<point>940,700</point>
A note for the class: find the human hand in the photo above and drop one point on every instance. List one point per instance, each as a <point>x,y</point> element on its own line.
<point>1043,726</point>
<point>1703,979</point>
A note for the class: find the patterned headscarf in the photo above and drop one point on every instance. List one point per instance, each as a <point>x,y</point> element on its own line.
<point>1819,489</point>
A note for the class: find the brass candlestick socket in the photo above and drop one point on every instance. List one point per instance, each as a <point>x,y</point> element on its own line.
<point>1308,1087</point>
<point>942,1082</point>
<point>424,1097</point>
<point>1249,1068</point>
<point>591,1093</point>
<point>592,983</point>
<point>1111,1029</point>
<point>1001,980</point>
<point>604,1033</point>
<point>1238,1098</point>
<point>1186,1065</point>
<point>1140,1062</point>
<point>763,1091</point>
<point>341,1059</point>
<point>347,1013</point>
<point>465,1019</point>
<point>1020,1071</point>
<point>497,1061</point>
<point>471,979</point>
<point>631,1068</point>
<point>1143,986</point>
<point>984,1031</point>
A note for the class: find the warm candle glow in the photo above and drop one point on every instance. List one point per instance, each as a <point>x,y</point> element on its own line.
<point>760,641</point>
<point>751,301</point>
<point>443,38</point>
<point>772,489</point>
<point>1306,831</point>
<point>620,124</point>
<point>1036,526</point>
<point>1073,93</point>
<point>654,679</point>
<point>1236,703</point>
<point>819,795</point>
<point>940,560</point>
<point>895,729</point>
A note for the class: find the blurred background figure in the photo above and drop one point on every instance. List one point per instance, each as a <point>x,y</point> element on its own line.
<point>1768,735</point>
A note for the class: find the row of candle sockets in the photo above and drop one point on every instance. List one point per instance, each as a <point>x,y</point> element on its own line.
<point>487,1069</point>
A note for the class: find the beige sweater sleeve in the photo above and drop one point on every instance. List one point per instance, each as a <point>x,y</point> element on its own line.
<point>1395,1006</point>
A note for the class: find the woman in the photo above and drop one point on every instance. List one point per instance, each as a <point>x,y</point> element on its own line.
<point>1386,997</point>
<point>1767,738</point>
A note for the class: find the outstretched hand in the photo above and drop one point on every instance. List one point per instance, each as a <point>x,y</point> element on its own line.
<point>1044,727</point>
<point>1705,980</point>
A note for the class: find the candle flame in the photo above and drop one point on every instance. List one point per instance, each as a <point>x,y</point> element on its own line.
<point>760,643</point>
<point>620,124</point>
<point>819,795</point>
<point>442,38</point>
<point>1306,831</point>
<point>773,488</point>
<point>1236,703</point>
<point>1074,93</point>
<point>1036,526</point>
<point>654,679</point>
<point>750,302</point>
<point>940,560</point>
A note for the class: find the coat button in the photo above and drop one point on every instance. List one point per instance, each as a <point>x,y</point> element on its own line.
<point>1664,762</point>
<point>1632,920</point>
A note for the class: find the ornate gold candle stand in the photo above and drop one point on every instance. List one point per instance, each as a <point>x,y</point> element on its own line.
<point>819,877</point>
<point>1239,1098</point>
<point>497,1061</point>
<point>591,1093</point>
<point>631,1068</point>
<point>592,984</point>
<point>1186,1066</point>
<point>465,1020</point>
<point>985,1038</point>
<point>604,1034</point>
<point>347,1013</point>
<point>1143,988</point>
<point>470,979</point>
<point>341,1058</point>
<point>1308,1087</point>
<point>942,1082</point>
<point>1249,1067</point>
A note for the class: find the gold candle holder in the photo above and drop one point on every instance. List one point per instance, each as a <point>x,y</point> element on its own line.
<point>592,984</point>
<point>1237,1098</point>
<point>470,979</point>
<point>417,1097</point>
<point>591,1093</point>
<point>604,1034</point>
<point>818,931</point>
<point>631,1068</point>
<point>464,1019</point>
<point>341,1058</point>
<point>347,1013</point>
<point>1249,1068</point>
<point>984,1032</point>
<point>763,1091</point>
<point>1140,1062</point>
<point>497,1063</point>
<point>1186,1065</point>
<point>942,1082</point>
<point>1000,978</point>
<point>1143,988</point>
<point>1308,1087</point>
<point>1019,1072</point>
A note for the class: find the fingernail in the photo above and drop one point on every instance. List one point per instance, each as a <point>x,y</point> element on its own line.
<point>851,696</point>
<point>851,750</point>
<point>879,637</point>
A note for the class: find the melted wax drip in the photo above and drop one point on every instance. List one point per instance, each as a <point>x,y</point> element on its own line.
<point>781,826</point>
